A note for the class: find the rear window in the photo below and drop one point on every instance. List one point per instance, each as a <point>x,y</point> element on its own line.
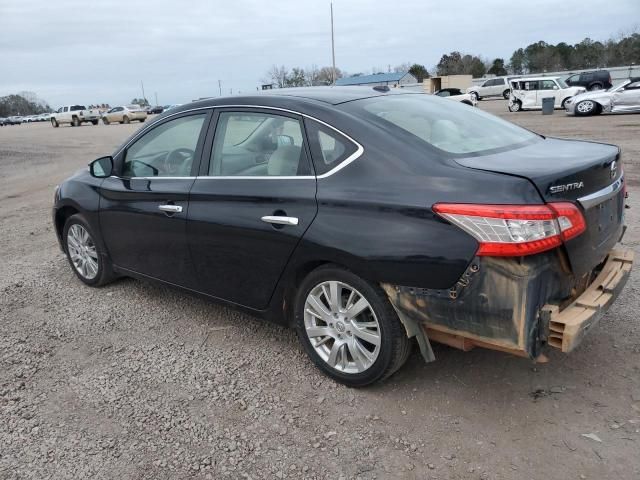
<point>328,147</point>
<point>448,126</point>
<point>76,108</point>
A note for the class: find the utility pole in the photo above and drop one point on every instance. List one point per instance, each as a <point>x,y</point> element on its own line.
<point>220,87</point>
<point>143,96</point>
<point>333,51</point>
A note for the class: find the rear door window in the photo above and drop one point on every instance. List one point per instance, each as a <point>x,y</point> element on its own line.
<point>328,147</point>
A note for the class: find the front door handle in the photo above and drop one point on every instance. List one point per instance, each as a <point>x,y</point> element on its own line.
<point>279,220</point>
<point>170,208</point>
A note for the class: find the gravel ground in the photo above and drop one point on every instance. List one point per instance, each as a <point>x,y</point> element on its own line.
<point>139,381</point>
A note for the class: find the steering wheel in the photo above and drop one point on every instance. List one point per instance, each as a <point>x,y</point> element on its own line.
<point>178,161</point>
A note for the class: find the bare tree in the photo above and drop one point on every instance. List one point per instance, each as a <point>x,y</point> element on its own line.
<point>277,75</point>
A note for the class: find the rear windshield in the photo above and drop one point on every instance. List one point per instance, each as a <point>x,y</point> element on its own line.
<point>451,127</point>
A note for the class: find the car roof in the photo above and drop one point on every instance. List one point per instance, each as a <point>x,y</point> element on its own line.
<point>328,95</point>
<point>525,79</point>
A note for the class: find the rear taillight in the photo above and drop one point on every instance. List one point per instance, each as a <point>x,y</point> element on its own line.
<point>515,230</point>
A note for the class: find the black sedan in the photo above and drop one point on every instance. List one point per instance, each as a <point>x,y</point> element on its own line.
<point>362,218</point>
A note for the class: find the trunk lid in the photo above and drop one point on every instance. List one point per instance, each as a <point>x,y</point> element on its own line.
<point>586,173</point>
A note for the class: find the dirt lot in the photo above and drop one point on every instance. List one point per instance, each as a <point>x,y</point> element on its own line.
<point>138,381</point>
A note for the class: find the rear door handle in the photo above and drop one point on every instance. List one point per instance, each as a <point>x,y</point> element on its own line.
<point>278,220</point>
<point>170,208</point>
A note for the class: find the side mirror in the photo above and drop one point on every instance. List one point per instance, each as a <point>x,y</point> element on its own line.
<point>101,167</point>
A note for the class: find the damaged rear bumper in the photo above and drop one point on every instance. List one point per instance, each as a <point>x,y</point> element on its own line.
<point>568,327</point>
<point>516,306</point>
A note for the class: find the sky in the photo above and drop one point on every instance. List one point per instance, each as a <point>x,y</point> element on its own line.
<point>90,51</point>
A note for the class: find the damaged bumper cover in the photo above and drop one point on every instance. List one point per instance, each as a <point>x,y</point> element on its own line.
<point>517,306</point>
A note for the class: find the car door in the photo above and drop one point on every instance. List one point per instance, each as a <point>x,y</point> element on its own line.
<point>529,93</point>
<point>485,89</point>
<point>254,200</point>
<point>143,209</point>
<point>627,99</point>
<point>547,89</point>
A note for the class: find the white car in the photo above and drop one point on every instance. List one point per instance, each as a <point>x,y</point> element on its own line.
<point>124,114</point>
<point>527,93</point>
<point>75,115</point>
<point>621,98</point>
<point>493,87</point>
<point>457,95</point>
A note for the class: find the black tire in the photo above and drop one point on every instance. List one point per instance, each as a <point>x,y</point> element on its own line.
<point>142,120</point>
<point>506,94</point>
<point>395,347</point>
<point>105,121</point>
<point>54,123</point>
<point>564,102</point>
<point>104,273</point>
<point>595,86</point>
<point>516,106</point>
<point>586,108</point>
<point>75,122</point>
<point>94,122</point>
<point>125,119</point>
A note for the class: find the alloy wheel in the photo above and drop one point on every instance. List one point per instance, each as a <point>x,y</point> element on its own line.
<point>342,327</point>
<point>82,251</point>
<point>586,106</point>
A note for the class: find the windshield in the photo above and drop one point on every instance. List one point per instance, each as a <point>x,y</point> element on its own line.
<point>562,83</point>
<point>449,126</point>
<point>617,85</point>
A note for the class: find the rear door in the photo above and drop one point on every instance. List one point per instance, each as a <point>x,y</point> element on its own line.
<point>143,210</point>
<point>254,199</point>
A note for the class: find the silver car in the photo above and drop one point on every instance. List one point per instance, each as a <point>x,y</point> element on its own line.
<point>621,98</point>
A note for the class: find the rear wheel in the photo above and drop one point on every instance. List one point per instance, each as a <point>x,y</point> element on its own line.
<point>595,87</point>
<point>94,122</point>
<point>54,123</point>
<point>125,119</point>
<point>506,94</point>
<point>105,120</point>
<point>142,120</point>
<point>586,107</point>
<point>85,256</point>
<point>348,327</point>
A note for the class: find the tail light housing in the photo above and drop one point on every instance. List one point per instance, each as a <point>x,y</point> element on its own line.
<point>515,230</point>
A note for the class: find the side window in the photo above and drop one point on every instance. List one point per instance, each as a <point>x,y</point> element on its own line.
<point>65,109</point>
<point>547,85</point>
<point>444,93</point>
<point>328,147</point>
<point>165,151</point>
<point>487,83</point>
<point>252,144</point>
<point>633,86</point>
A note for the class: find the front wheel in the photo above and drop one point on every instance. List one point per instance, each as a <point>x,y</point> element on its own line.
<point>595,87</point>
<point>94,122</point>
<point>85,256</point>
<point>105,121</point>
<point>125,119</point>
<point>75,122</point>
<point>586,107</point>
<point>515,106</point>
<point>348,327</point>
<point>54,123</point>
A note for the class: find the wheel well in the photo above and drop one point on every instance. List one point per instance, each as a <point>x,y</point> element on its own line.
<point>61,218</point>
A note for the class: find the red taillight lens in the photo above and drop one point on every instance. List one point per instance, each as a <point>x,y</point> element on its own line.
<point>515,230</point>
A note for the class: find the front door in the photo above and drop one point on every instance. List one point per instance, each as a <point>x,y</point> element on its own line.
<point>254,201</point>
<point>627,99</point>
<point>143,210</point>
<point>546,89</point>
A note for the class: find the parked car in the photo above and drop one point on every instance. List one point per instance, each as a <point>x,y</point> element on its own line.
<point>527,93</point>
<point>169,107</point>
<point>493,87</point>
<point>14,120</point>
<point>124,114</point>
<point>155,110</point>
<point>75,115</point>
<point>457,95</point>
<point>2,121</point>
<point>465,229</point>
<point>623,98</point>
<point>596,80</point>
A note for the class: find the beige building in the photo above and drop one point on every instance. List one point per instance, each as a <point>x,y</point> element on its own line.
<point>433,84</point>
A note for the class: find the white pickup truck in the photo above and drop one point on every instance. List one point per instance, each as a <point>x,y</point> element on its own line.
<point>75,115</point>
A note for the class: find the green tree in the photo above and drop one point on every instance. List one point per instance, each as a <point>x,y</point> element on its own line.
<point>419,71</point>
<point>497,68</point>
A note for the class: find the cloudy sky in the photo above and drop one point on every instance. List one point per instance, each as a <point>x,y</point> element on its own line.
<point>89,51</point>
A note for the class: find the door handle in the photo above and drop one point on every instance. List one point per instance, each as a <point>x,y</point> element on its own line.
<point>278,220</point>
<point>170,208</point>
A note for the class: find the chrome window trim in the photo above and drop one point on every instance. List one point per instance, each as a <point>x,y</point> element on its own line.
<point>602,195</point>
<point>354,156</point>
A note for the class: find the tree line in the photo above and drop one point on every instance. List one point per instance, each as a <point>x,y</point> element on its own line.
<point>538,57</point>
<point>23,103</point>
